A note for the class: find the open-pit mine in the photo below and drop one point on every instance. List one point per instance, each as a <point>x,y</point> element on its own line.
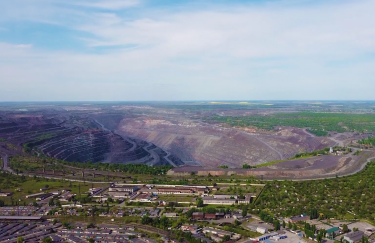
<point>195,138</point>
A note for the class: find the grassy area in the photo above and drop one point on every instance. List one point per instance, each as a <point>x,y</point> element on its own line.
<point>272,163</point>
<point>29,185</point>
<point>176,198</point>
<point>317,123</point>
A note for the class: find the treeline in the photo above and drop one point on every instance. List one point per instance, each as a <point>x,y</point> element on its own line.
<point>161,223</point>
<point>314,153</point>
<point>367,141</point>
<point>126,168</point>
<point>270,219</point>
<point>311,232</point>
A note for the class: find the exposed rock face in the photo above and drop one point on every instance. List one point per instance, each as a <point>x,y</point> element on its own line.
<point>79,138</point>
<point>212,145</point>
<point>308,168</point>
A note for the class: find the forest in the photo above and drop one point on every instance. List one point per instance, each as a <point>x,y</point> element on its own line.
<point>317,123</point>
<point>349,197</point>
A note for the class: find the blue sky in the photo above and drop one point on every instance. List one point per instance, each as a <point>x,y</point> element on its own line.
<point>114,50</point>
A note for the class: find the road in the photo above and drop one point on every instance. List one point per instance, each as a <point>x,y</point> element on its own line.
<point>6,163</point>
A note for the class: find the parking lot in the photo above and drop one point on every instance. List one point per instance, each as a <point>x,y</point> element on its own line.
<point>292,238</point>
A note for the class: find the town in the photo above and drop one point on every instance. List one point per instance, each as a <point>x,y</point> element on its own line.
<point>145,213</point>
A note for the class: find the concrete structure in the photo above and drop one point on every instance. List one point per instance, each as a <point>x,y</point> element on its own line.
<point>34,195</point>
<point>177,190</point>
<point>123,188</point>
<point>171,215</point>
<point>261,230</point>
<point>66,197</point>
<point>266,237</point>
<point>194,229</point>
<point>20,218</point>
<point>119,195</point>
<point>44,196</point>
<point>332,232</point>
<point>354,236</point>
<point>212,200</point>
<point>142,197</point>
<point>218,232</point>
<point>226,199</point>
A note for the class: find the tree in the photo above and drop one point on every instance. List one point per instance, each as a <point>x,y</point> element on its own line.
<point>90,225</point>
<point>226,238</point>
<point>283,224</point>
<point>91,240</point>
<point>164,222</point>
<point>20,239</point>
<point>58,203</point>
<point>294,227</point>
<point>345,228</point>
<point>47,240</point>
<point>237,223</point>
<point>199,202</point>
<point>276,224</point>
<point>51,202</point>
<point>244,212</point>
<point>319,238</point>
<point>146,219</point>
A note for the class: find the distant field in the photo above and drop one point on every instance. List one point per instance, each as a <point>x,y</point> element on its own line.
<point>317,123</point>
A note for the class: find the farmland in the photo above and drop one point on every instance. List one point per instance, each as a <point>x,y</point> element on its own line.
<point>317,123</point>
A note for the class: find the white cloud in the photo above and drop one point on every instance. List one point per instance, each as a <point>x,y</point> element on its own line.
<point>275,51</point>
<point>109,4</point>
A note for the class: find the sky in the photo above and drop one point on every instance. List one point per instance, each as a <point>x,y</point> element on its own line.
<point>134,50</point>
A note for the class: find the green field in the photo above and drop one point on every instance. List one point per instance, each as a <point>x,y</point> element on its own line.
<point>30,185</point>
<point>317,123</point>
<point>176,198</point>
